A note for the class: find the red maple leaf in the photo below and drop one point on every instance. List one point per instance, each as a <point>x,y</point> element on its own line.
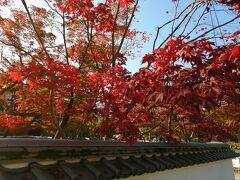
<point>235,52</point>
<point>16,76</point>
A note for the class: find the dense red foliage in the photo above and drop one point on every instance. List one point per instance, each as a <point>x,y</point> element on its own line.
<point>211,80</point>
<point>10,121</point>
<point>175,94</point>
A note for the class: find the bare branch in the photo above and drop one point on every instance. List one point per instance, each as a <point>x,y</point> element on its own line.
<point>175,14</point>
<point>210,30</point>
<point>189,19</point>
<point>177,27</point>
<point>197,24</point>
<point>159,28</point>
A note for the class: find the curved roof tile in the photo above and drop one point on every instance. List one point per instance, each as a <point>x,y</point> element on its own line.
<point>100,160</point>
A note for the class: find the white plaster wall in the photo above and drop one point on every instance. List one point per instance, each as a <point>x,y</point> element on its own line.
<point>220,170</point>
<point>236,162</point>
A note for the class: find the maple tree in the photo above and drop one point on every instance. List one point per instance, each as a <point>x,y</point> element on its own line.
<point>194,78</point>
<point>63,70</point>
<point>52,76</point>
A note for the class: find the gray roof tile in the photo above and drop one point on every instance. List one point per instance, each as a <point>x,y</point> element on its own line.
<point>111,159</point>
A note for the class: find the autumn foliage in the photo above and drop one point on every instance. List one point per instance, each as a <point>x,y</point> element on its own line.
<point>64,72</point>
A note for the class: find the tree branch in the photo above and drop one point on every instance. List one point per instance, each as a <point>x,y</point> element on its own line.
<point>126,29</point>
<point>35,29</point>
<point>64,37</point>
<point>113,35</point>
<point>159,28</point>
<point>178,26</point>
<point>210,30</point>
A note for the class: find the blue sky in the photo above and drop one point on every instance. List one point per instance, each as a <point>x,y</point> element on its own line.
<point>151,14</point>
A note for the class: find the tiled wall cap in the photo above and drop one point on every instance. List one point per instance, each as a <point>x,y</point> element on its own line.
<point>94,162</point>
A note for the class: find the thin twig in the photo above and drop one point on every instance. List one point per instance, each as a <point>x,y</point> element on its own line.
<point>210,30</point>
<point>175,15</point>
<point>189,19</point>
<point>159,28</point>
<point>197,24</point>
<point>177,27</point>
